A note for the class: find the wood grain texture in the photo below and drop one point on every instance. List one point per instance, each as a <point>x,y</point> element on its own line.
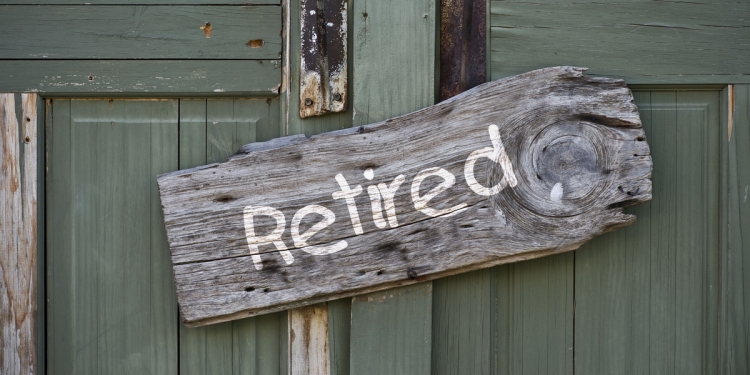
<point>532,318</point>
<point>141,78</point>
<point>138,32</point>
<point>309,350</point>
<point>18,239</point>
<point>111,299</point>
<point>461,328</point>
<point>593,117</point>
<point>647,297</point>
<point>463,45</point>
<point>734,331</point>
<point>215,128</point>
<point>384,326</point>
<point>640,41</point>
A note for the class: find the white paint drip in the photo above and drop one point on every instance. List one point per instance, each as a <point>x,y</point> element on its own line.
<point>557,192</point>
<point>745,199</point>
<point>369,174</point>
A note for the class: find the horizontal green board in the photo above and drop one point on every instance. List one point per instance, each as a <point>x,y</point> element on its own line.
<point>140,2</point>
<point>649,42</point>
<point>141,77</point>
<point>138,32</point>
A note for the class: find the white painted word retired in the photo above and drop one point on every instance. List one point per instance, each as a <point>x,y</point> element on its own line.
<point>381,195</point>
<point>515,169</point>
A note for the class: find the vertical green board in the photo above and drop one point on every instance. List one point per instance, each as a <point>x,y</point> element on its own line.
<point>735,257</point>
<point>111,301</point>
<point>532,316</point>
<point>461,326</point>
<point>394,73</point>
<point>647,295</point>
<point>210,131</point>
<point>391,331</point>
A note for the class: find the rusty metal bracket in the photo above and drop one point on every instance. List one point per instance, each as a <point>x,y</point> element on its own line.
<point>322,57</point>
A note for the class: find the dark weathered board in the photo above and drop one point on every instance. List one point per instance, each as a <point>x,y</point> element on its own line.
<point>569,154</point>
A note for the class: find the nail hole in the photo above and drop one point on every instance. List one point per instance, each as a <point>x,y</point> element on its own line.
<point>380,272</point>
<point>255,43</point>
<point>640,139</point>
<point>28,119</point>
<point>364,14</point>
<point>91,78</point>
<point>266,290</point>
<point>411,273</point>
<point>27,139</point>
<point>249,289</point>
<point>538,177</point>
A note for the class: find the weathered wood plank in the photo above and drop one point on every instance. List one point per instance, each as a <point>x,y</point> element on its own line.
<point>463,46</point>
<point>395,349</point>
<point>639,41</point>
<point>596,132</point>
<point>647,296</point>
<point>734,329</point>
<point>308,340</point>
<point>141,78</point>
<point>139,32</point>
<point>18,242</point>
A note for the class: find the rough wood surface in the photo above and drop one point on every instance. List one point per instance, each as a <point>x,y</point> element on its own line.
<point>142,78</point>
<point>139,32</point>
<point>18,246</point>
<point>574,145</point>
<point>463,46</point>
<point>309,349</point>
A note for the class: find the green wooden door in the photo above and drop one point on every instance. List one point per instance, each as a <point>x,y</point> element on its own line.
<point>111,300</point>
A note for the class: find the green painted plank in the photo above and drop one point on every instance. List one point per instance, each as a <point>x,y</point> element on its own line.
<point>112,303</point>
<point>461,327</point>
<point>647,295</point>
<point>141,78</point>
<point>735,257</point>
<point>533,316</point>
<point>394,58</point>
<point>141,2</point>
<point>138,32</point>
<point>394,64</point>
<point>639,40</point>
<point>210,131</point>
<point>391,331</point>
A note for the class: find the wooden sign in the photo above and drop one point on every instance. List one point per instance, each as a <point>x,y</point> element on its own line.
<point>519,168</point>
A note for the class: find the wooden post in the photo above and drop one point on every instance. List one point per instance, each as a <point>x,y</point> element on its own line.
<point>18,176</point>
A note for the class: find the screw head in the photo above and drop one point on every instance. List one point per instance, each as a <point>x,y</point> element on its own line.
<point>308,102</point>
<point>337,97</point>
